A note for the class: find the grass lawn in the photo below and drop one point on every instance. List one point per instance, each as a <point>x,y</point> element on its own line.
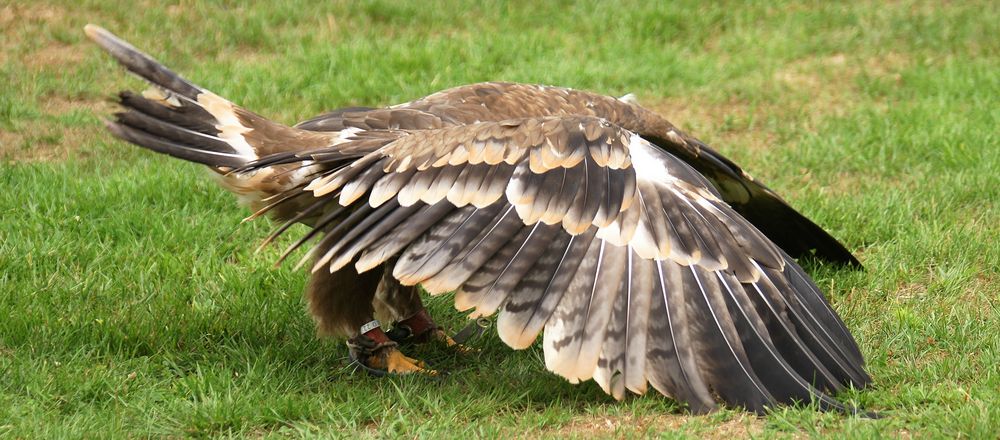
<point>132,303</point>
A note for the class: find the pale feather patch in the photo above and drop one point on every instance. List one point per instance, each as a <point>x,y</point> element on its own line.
<point>648,165</point>
<point>629,98</point>
<point>653,167</point>
<point>346,135</point>
<point>161,96</point>
<point>246,186</point>
<point>387,187</point>
<point>230,128</point>
<point>300,175</point>
<point>675,137</point>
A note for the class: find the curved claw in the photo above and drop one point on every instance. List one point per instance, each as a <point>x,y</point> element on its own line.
<point>442,337</point>
<point>387,359</point>
<point>398,363</point>
<point>402,335</point>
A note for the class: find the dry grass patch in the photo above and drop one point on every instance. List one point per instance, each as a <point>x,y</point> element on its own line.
<point>981,298</point>
<point>43,141</point>
<point>32,49</point>
<point>46,138</point>
<point>714,122</point>
<point>58,105</point>
<point>27,13</point>
<point>32,23</point>
<point>828,85</point>
<point>910,290</point>
<point>802,93</point>
<point>56,56</point>
<point>27,22</point>
<point>741,425</point>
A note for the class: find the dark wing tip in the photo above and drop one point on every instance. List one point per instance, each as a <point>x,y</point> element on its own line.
<point>795,233</point>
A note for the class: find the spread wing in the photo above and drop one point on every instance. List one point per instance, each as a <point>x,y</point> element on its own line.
<point>497,101</point>
<point>623,254</point>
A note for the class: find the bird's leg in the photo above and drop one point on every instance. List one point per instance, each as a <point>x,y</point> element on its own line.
<point>401,305</point>
<point>378,354</point>
<point>419,328</point>
<point>341,304</point>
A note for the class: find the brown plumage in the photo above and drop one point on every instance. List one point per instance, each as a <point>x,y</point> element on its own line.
<point>641,255</point>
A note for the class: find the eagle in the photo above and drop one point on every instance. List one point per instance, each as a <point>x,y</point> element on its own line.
<point>642,256</point>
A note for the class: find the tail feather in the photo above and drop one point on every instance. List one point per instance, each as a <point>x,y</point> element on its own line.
<point>166,146</point>
<point>170,129</point>
<point>181,119</point>
<point>141,64</point>
<point>190,117</point>
<point>175,116</point>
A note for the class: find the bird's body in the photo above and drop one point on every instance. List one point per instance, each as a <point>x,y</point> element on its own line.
<point>641,255</point>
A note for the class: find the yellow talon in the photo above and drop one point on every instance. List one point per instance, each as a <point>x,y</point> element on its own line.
<point>394,361</point>
<point>417,362</point>
<point>440,336</point>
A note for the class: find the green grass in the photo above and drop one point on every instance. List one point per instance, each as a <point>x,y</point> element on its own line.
<point>132,304</point>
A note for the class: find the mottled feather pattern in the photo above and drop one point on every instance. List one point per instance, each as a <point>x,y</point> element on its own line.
<point>672,365</point>
<point>476,252</point>
<point>429,254</point>
<point>531,287</point>
<point>540,291</point>
<point>489,287</point>
<point>385,247</point>
<point>358,223</point>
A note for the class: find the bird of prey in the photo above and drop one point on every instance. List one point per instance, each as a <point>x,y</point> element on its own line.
<point>641,256</point>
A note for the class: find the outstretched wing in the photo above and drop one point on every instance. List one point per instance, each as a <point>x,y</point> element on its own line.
<point>626,257</point>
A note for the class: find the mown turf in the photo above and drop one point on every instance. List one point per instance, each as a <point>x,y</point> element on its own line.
<point>132,304</point>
